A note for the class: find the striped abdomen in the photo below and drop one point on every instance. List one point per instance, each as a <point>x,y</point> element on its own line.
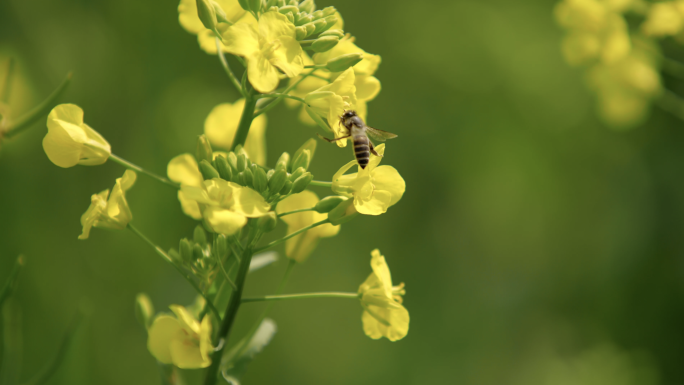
<point>361,150</point>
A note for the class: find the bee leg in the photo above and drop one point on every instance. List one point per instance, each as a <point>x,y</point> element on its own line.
<point>372,149</point>
<point>331,140</point>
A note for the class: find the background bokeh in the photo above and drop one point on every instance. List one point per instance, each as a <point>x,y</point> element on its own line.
<point>537,245</point>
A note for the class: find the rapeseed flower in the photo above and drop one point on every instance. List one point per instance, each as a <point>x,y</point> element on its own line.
<point>183,169</point>
<point>70,141</point>
<point>268,47</point>
<point>383,312</point>
<point>190,21</point>
<point>222,123</point>
<point>374,188</point>
<point>300,246</point>
<point>109,211</point>
<point>664,19</point>
<point>331,100</point>
<point>181,340</point>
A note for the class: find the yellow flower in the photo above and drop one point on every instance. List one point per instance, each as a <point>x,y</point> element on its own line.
<point>271,46</point>
<point>383,315</point>
<point>374,188</point>
<point>300,246</point>
<point>331,100</point>
<point>664,19</point>
<point>183,169</point>
<point>222,123</point>
<point>225,206</point>
<point>367,66</point>
<point>181,340</point>
<point>70,141</point>
<point>190,21</point>
<point>112,213</point>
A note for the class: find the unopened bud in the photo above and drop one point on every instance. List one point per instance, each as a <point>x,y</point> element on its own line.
<point>208,171</point>
<point>327,11</point>
<point>260,179</point>
<point>199,235</point>
<point>289,9</point>
<point>221,246</point>
<point>244,4</point>
<point>255,5</point>
<point>277,181</point>
<point>331,21</point>
<point>270,173</point>
<point>290,17</point>
<point>241,162</point>
<point>302,160</point>
<point>286,188</point>
<point>317,14</point>
<point>203,151</point>
<point>333,32</point>
<point>223,168</point>
<point>271,3</point>
<point>319,25</point>
<point>185,250</point>
<point>310,28</point>
<point>300,32</point>
<point>220,13</point>
<point>297,173</point>
<point>249,177</point>
<point>325,43</point>
<point>283,161</point>
<point>268,222</point>
<point>301,183</point>
<point>197,252</point>
<point>307,6</point>
<point>144,310</point>
<point>343,62</point>
<point>327,204</point>
<point>207,14</point>
<point>344,212</point>
<point>310,146</point>
<point>232,161</point>
<point>304,19</point>
<point>240,178</point>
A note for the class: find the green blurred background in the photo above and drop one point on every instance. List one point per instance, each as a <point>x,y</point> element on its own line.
<point>537,245</point>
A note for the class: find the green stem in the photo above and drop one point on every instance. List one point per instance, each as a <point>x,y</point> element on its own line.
<point>295,211</point>
<point>224,64</point>
<point>231,312</point>
<point>38,112</point>
<point>281,240</point>
<point>11,283</point>
<point>280,98</point>
<point>225,273</point>
<point>321,184</point>
<point>133,167</point>
<point>7,84</point>
<point>330,294</point>
<point>315,66</point>
<point>170,260</point>
<point>245,121</point>
<point>265,96</point>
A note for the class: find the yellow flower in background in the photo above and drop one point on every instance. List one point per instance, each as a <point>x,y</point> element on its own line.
<point>300,246</point>
<point>582,15</point>
<point>183,169</point>
<point>225,206</point>
<point>70,141</point>
<point>181,340</point>
<point>664,19</point>
<point>374,188</point>
<point>190,21</point>
<point>109,211</point>
<point>383,315</point>
<point>270,46</point>
<point>331,100</point>
<point>222,123</point>
<point>309,84</point>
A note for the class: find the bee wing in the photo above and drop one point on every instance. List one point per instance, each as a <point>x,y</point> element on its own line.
<point>379,135</point>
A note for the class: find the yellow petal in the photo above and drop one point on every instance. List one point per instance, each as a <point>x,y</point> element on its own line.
<point>274,25</point>
<point>118,212</point>
<point>249,202</point>
<point>183,169</point>
<point>98,203</point>
<point>221,126</point>
<point>189,20</point>
<point>381,270</point>
<point>186,354</point>
<point>224,221</point>
<point>205,338</point>
<point>189,206</point>
<point>242,39</point>
<point>387,178</point>
<point>262,74</point>
<point>398,319</point>
<point>341,184</point>
<point>376,204</point>
<point>367,88</point>
<point>70,141</point>
<point>288,57</point>
<point>163,330</point>
<point>186,320</point>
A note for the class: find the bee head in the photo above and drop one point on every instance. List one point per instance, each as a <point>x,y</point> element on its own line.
<point>348,114</point>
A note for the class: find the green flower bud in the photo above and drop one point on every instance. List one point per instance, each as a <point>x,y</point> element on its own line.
<point>240,178</point>
<point>207,14</point>
<point>203,151</point>
<point>310,28</point>
<point>327,204</point>
<point>144,310</point>
<point>270,173</point>
<point>289,9</point>
<point>244,4</point>
<point>331,20</point>
<point>342,62</point>
<point>185,250</point>
<point>283,161</point>
<point>290,17</point>
<point>302,160</point>
<point>208,171</point>
<point>310,146</point>
<point>304,19</point>
<point>249,177</point>
<point>197,252</point>
<point>300,32</point>
<point>327,11</point>
<point>221,246</point>
<point>260,179</point>
<point>277,181</point>
<point>297,173</point>
<point>271,3</point>
<point>344,212</point>
<point>241,162</point>
<point>301,183</point>
<point>325,43</point>
<point>280,3</point>
<point>232,161</point>
<point>220,13</point>
<point>286,188</point>
<point>293,2</point>
<point>319,25</point>
<point>223,168</point>
<point>255,5</point>
<point>333,32</point>
<point>307,6</point>
<point>199,235</point>
<point>268,222</point>
<point>272,9</point>
<point>317,14</point>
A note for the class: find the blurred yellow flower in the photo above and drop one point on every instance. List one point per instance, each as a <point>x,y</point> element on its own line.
<point>181,340</point>
<point>190,21</point>
<point>112,213</point>
<point>270,46</point>
<point>309,84</point>
<point>225,206</point>
<point>374,188</point>
<point>331,100</point>
<point>222,123</point>
<point>383,315</point>
<point>70,141</point>
<point>300,246</point>
<point>183,169</point>
<point>664,19</point>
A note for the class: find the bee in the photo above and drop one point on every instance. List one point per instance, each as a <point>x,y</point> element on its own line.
<point>359,132</point>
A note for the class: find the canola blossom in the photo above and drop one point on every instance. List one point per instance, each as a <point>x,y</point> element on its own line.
<point>109,211</point>
<point>181,340</point>
<point>383,312</point>
<point>70,141</point>
<point>374,189</point>
<point>331,100</point>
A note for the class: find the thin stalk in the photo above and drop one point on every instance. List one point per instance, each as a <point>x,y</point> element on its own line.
<point>266,96</point>
<point>280,98</point>
<point>283,239</point>
<point>7,84</point>
<point>225,273</point>
<point>224,64</point>
<point>295,212</point>
<point>170,260</point>
<point>133,167</point>
<point>330,294</point>
<point>320,183</point>
<point>245,121</point>
<point>26,120</point>
<point>316,66</point>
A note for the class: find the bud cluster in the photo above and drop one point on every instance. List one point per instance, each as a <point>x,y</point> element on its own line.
<point>196,254</point>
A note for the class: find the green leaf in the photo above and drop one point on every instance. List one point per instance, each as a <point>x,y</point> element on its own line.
<point>262,260</point>
<point>234,363</point>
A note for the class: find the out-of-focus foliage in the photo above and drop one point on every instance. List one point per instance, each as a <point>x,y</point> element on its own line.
<point>530,234</point>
